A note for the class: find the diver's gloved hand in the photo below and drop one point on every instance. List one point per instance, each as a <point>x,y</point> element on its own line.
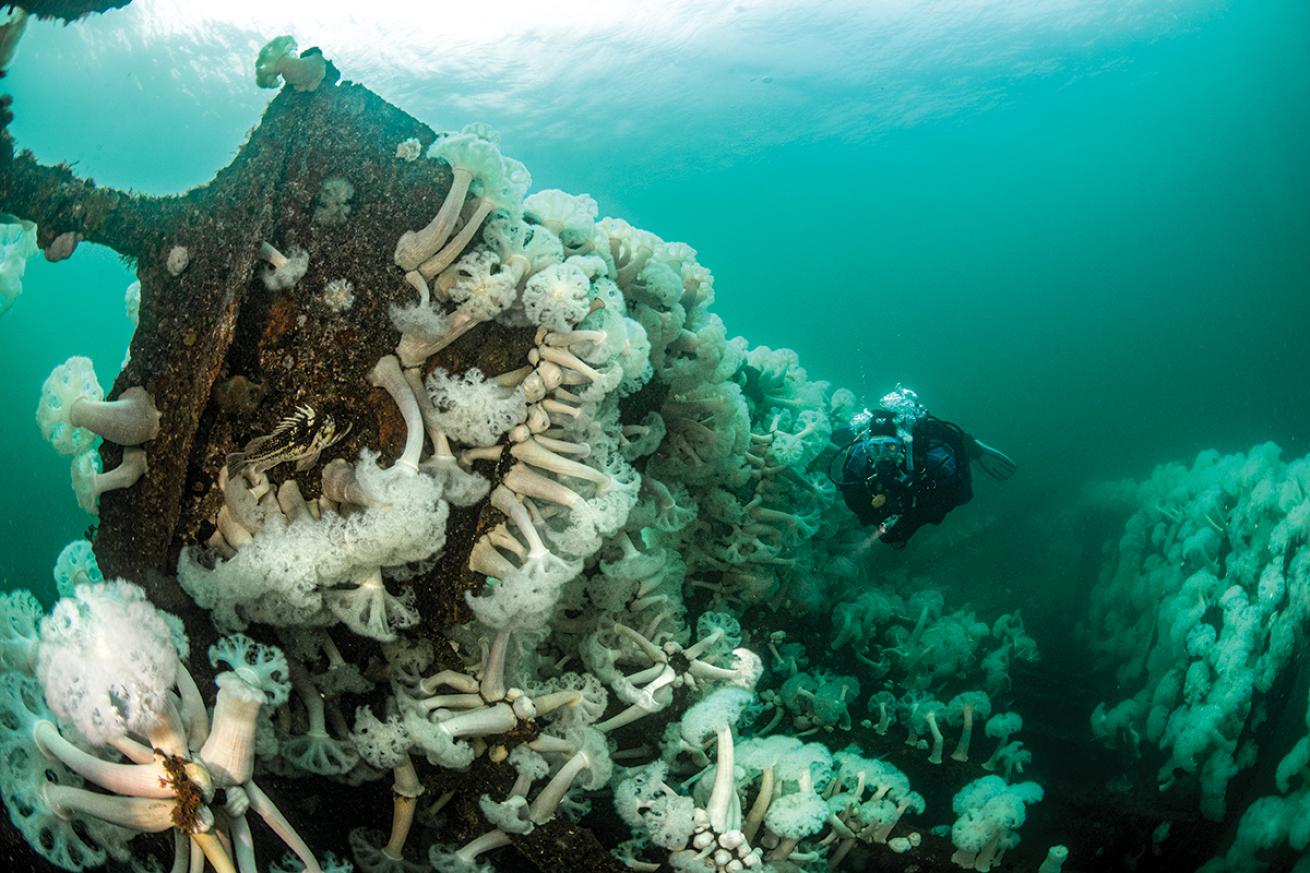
<point>994,462</point>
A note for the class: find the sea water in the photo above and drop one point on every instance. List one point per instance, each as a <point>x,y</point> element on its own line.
<point>1080,230</point>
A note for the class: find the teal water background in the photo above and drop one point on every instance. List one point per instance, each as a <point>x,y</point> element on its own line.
<point>1084,234</point>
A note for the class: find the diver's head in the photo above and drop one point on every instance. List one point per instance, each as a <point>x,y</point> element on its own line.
<point>875,466</point>
<point>874,456</point>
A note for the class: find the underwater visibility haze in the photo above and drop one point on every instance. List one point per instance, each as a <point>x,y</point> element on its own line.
<point>760,436</point>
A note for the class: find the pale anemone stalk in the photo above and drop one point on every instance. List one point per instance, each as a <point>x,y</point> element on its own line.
<point>258,677</point>
<point>470,155</point>
<point>717,841</point>
<point>387,375</point>
<point>961,752</point>
<point>535,452</point>
<point>648,685</point>
<point>72,406</point>
<point>89,483</point>
<point>405,791</point>
<point>482,207</point>
<point>938,741</point>
<point>315,751</point>
<point>415,247</point>
<point>130,420</point>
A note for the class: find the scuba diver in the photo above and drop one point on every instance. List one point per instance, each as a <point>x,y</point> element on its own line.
<point>900,467</point>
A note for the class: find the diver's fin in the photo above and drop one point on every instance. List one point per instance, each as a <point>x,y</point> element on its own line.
<point>994,462</point>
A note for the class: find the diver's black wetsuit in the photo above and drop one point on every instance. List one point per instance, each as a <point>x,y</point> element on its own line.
<point>941,481</point>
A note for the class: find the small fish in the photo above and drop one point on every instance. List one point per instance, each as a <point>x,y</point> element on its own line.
<point>299,437</point>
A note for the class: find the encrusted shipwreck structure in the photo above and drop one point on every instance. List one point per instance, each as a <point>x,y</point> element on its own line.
<point>429,512</point>
<point>434,470</point>
<point>226,355</point>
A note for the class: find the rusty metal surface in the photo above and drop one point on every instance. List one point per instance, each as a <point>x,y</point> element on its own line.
<point>225,358</point>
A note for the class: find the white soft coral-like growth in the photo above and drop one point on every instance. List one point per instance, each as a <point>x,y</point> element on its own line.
<point>473,410</point>
<point>20,620</point>
<point>281,574</point>
<point>369,609</point>
<point>17,244</point>
<point>278,59</point>
<point>572,217</point>
<point>478,283</point>
<point>557,297</point>
<point>481,287</point>
<point>107,659</point>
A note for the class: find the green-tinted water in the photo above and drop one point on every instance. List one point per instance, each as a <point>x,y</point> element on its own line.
<point>1099,264</point>
<point>1082,233</point>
